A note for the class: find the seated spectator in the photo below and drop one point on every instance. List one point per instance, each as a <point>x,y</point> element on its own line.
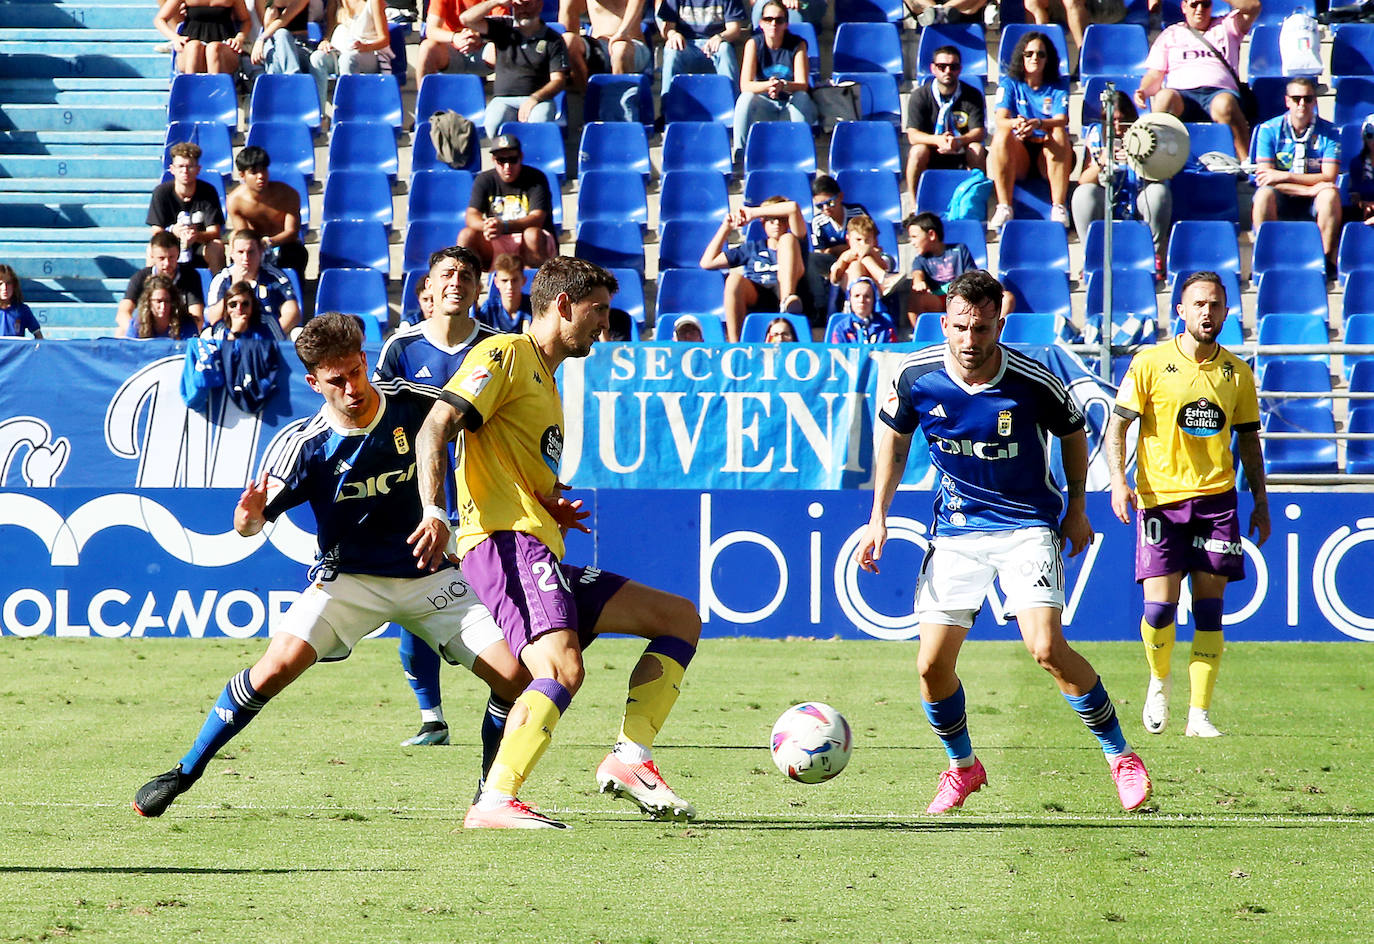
<point>931,12</point>
<point>424,301</point>
<point>507,307</point>
<point>620,327</point>
<point>687,328</point>
<point>780,331</point>
<point>1186,74</point>
<point>1032,114</point>
<point>1134,198</point>
<point>530,63</point>
<point>243,317</point>
<point>866,322</point>
<point>699,37</point>
<point>798,11</point>
<point>189,208</point>
<point>511,210</point>
<point>1361,178</point>
<point>1297,162</point>
<point>357,42</point>
<point>774,77</point>
<point>1074,14</point>
<point>934,266</point>
<point>15,316</point>
<point>281,46</point>
<point>449,46</point>
<point>274,295</point>
<point>270,207</point>
<point>862,257</point>
<point>944,121</point>
<point>163,251</point>
<point>617,30</point>
<point>162,313</point>
<point>206,36</point>
<point>828,240</point>
<point>769,269</point>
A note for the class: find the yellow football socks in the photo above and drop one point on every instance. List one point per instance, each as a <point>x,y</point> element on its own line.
<point>650,700</point>
<point>521,747</point>
<point>1203,667</point>
<point>1159,647</point>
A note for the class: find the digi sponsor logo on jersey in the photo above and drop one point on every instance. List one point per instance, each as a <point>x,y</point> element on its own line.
<point>1201,418</point>
<point>376,485</point>
<point>979,450</point>
<point>551,445</point>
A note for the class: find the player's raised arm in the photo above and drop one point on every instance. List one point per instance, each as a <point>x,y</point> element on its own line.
<point>1123,496</point>
<point>248,513</point>
<point>890,452</point>
<point>1075,528</point>
<point>430,538</point>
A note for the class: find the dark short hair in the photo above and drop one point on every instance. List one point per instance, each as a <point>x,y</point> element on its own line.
<point>927,221</point>
<point>948,51</point>
<point>252,158</point>
<point>328,337</point>
<point>824,186</point>
<point>459,254</point>
<point>1306,81</point>
<point>978,288</point>
<point>1016,68</point>
<point>1205,275</point>
<point>164,240</point>
<point>567,275</point>
<point>245,232</point>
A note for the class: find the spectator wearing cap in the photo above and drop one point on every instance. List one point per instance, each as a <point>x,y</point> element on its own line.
<point>530,62</point>
<point>687,328</point>
<point>945,122</point>
<point>511,209</point>
<point>1361,177</point>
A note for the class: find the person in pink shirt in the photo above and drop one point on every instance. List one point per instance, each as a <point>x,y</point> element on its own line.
<point>1190,80</point>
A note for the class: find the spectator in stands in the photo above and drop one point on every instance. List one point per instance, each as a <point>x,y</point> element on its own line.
<point>687,328</point>
<point>243,317</point>
<point>934,266</point>
<point>1135,199</point>
<point>269,206</point>
<point>530,64</point>
<point>162,313</point>
<point>1361,177</point>
<point>1297,162</point>
<point>699,37</point>
<point>1074,14</point>
<point>780,331</point>
<point>863,257</point>
<point>769,269</point>
<point>511,209</point>
<point>775,78</point>
<point>930,12</point>
<point>163,251</point>
<point>357,42</point>
<point>275,296</point>
<point>620,327</point>
<point>189,208</point>
<point>617,30</point>
<point>828,240</point>
<point>1186,74</point>
<point>1032,114</point>
<point>424,300</point>
<point>507,307</point>
<point>445,35</point>
<point>865,323</point>
<point>280,48</point>
<point>207,37</point>
<point>944,121</point>
<point>15,316</point>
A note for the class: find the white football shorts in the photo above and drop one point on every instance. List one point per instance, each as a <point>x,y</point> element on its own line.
<point>959,569</point>
<point>440,608</point>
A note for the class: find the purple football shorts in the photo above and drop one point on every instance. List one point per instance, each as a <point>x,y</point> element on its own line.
<point>1201,534</point>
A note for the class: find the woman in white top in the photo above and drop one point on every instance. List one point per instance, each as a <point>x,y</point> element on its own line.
<point>357,42</point>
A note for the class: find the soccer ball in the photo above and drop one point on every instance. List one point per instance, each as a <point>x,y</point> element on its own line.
<point>811,742</point>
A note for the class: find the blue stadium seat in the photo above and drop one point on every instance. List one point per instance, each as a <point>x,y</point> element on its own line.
<point>1033,244</point>
<point>792,184</point>
<point>1358,328</point>
<point>614,145</point>
<point>869,11</point>
<point>461,93</point>
<point>1352,50</point>
<point>362,145</point>
<point>1031,199</point>
<point>541,145</point>
<point>203,98</point>
<point>439,195</point>
<point>289,146</point>
<point>877,192</point>
<point>878,99</point>
<point>692,195</point>
<point>1269,93</point>
<point>1205,196</point>
<point>968,38</point>
<point>1264,52</point>
<point>1354,99</point>
<point>1232,331</point>
<point>1289,456</point>
<point>1201,245</point>
<point>1091,112</point>
<point>373,98</point>
<point>699,98</point>
<point>927,329</point>
<point>712,328</point>
<point>972,234</point>
<point>1023,328</point>
<point>697,145</point>
<point>1356,249</point>
<point>868,47</point>
<point>1293,375</point>
<point>612,196</point>
<point>807,32</point>
<point>285,98</point>
<point>1113,49</point>
<point>755,327</point>
<point>1287,244</point>
<point>423,237</point>
<point>410,305</point>
<point>780,145</point>
<point>1274,12</point>
<point>628,297</point>
<point>359,292</point>
<point>1204,137</point>
<point>865,145</point>
<point>1282,328</point>
<point>936,186</point>
<point>613,88</point>
<point>681,243</point>
<point>1132,247</point>
<point>423,156</point>
<point>1039,291</point>
<point>358,195</point>
<point>1135,309</point>
<point>1296,291</point>
<point>1359,293</point>
<point>614,245</point>
<point>1012,33</point>
<point>690,290</point>
<point>217,153</point>
<point>1359,453</point>
<point>354,244</point>
<point>296,182</point>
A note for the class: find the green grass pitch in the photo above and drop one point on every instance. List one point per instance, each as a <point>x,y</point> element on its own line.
<point>315,826</point>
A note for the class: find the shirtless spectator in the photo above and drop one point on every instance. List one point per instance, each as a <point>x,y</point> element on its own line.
<point>616,28</point>
<point>275,295</point>
<point>188,207</point>
<point>269,206</point>
<point>163,250</point>
<point>449,46</point>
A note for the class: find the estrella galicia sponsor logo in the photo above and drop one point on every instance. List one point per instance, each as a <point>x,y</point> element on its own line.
<point>1201,418</point>
<point>551,445</point>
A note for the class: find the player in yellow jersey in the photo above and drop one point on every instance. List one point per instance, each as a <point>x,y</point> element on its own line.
<point>512,518</point>
<point>1189,394</point>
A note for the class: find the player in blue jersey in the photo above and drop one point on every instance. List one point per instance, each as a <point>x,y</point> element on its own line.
<point>429,353</point>
<point>354,463</point>
<point>987,413</point>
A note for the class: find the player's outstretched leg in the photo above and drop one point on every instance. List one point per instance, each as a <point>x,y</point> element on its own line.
<point>965,774</point>
<point>1203,666</point>
<point>1157,631</point>
<point>421,665</point>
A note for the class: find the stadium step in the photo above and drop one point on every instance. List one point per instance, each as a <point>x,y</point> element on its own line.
<point>64,333</point>
<point>43,92</point>
<point>76,213</point>
<point>76,314</point>
<point>128,117</point>
<point>30,35</point>
<point>21,85</point>
<point>16,141</point>
<point>55,189</point>
<point>93,261</point>
<point>74,290</point>
<point>32,166</point>
<point>150,66</point>
<point>30,235</point>
<point>62,44</point>
<point>74,16</point>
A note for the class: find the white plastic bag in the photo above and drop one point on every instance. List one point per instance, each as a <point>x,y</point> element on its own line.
<point>1300,45</point>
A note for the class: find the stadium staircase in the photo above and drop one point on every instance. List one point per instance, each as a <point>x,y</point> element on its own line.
<point>82,121</point>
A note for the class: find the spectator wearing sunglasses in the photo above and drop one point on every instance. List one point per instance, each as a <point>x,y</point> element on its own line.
<point>944,121</point>
<point>1032,113</point>
<point>1361,171</point>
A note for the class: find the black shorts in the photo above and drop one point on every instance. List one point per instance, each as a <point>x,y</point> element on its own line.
<point>768,299</point>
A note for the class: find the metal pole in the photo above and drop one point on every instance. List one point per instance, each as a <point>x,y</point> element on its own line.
<point>1109,198</point>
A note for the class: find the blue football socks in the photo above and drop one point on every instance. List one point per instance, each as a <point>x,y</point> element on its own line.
<point>421,665</point>
<point>1098,713</point>
<point>950,722</point>
<point>238,704</point>
<point>493,726</point>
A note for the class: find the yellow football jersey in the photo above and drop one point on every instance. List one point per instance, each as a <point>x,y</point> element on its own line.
<point>514,455</point>
<point>1187,413</point>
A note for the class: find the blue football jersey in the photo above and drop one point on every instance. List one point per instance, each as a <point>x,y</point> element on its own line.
<point>990,444</point>
<point>360,483</point>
